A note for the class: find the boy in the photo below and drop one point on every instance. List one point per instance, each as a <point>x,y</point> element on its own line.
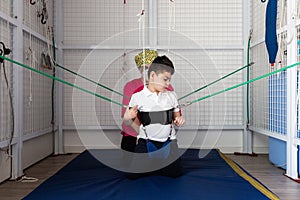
<point>129,140</point>
<point>158,111</point>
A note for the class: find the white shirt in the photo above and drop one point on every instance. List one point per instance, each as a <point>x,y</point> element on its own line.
<point>148,101</point>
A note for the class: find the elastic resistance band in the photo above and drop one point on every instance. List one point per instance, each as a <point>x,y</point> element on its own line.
<point>244,83</point>
<point>101,85</point>
<point>248,65</point>
<point>248,76</point>
<point>62,81</point>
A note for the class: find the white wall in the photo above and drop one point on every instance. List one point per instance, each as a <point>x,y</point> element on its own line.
<point>37,149</point>
<point>228,141</point>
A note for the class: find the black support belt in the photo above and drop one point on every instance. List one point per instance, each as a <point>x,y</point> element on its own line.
<point>157,117</point>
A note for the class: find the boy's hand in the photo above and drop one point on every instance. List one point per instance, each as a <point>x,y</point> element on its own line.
<point>130,113</point>
<point>179,121</point>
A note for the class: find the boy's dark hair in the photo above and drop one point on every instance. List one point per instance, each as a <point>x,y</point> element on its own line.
<point>161,64</point>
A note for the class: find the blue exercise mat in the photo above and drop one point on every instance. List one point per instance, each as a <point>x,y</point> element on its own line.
<point>212,177</point>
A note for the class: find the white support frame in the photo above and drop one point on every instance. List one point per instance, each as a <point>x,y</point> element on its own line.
<point>292,150</point>
<point>247,134</point>
<point>58,138</point>
<point>153,24</point>
<point>17,165</point>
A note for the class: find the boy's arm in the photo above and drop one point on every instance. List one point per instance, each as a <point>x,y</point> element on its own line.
<point>178,119</point>
<point>130,115</point>
<point>136,125</point>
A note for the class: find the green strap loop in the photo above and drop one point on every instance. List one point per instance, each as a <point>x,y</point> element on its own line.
<point>244,83</point>
<point>101,85</point>
<point>62,81</point>
<point>205,86</point>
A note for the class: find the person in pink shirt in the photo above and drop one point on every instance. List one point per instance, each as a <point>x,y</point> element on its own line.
<point>129,140</point>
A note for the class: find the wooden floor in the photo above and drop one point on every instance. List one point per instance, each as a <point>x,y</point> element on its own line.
<point>259,167</point>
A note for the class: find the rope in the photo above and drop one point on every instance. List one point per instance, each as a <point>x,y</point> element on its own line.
<point>62,81</point>
<point>26,179</point>
<point>205,86</point>
<point>143,40</point>
<point>141,22</point>
<point>241,84</point>
<point>171,22</point>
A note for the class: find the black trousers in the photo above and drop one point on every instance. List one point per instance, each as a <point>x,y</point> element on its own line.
<point>128,143</point>
<point>174,169</point>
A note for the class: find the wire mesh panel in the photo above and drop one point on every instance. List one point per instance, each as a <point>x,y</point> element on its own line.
<point>198,25</point>
<point>278,103</point>
<point>268,100</point>
<point>6,116</point>
<point>259,89</point>
<point>38,16</point>
<point>194,65</point>
<point>110,69</point>
<point>269,95</point>
<point>208,23</point>
<point>37,88</point>
<point>38,53</point>
<point>93,22</point>
<point>195,70</point>
<point>258,20</point>
<point>6,7</point>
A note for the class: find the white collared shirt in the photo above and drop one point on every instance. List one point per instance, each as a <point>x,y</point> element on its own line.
<point>148,101</point>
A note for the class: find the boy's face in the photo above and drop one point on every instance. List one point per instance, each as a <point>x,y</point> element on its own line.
<point>160,82</point>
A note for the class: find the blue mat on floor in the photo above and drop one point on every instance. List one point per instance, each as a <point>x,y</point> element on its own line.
<point>212,177</point>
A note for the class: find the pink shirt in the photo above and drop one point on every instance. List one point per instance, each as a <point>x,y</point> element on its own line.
<point>136,85</point>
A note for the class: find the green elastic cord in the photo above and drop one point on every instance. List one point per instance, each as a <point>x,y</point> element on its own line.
<point>62,81</point>
<point>248,78</point>
<point>248,65</point>
<point>244,83</point>
<point>101,85</point>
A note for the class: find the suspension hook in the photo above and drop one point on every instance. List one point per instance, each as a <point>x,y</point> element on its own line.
<point>32,2</point>
<point>44,13</point>
<point>43,20</point>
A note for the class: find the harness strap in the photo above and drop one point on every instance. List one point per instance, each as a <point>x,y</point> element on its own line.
<point>162,117</point>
